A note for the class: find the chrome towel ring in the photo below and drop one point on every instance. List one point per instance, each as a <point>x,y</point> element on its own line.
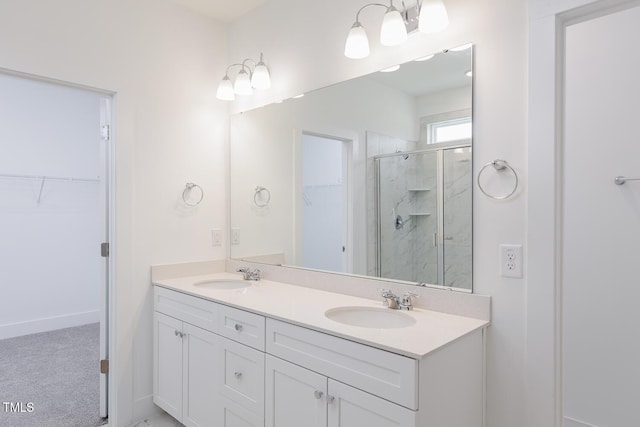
<point>499,166</point>
<point>187,192</point>
<point>258,199</point>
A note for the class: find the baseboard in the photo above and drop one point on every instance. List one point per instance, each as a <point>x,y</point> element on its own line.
<point>48,324</point>
<point>570,422</point>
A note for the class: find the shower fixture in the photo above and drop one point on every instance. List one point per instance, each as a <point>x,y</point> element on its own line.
<point>406,156</point>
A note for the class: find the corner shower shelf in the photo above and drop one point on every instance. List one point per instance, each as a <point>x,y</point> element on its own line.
<point>419,213</point>
<point>418,189</point>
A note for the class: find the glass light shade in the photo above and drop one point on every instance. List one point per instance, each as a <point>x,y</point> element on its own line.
<point>261,79</point>
<point>433,17</point>
<point>393,31</point>
<point>357,45</point>
<point>242,86</point>
<point>225,90</point>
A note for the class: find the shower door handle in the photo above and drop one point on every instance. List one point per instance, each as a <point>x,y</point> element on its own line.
<point>435,240</point>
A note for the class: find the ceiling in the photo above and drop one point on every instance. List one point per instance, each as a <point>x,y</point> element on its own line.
<point>221,10</point>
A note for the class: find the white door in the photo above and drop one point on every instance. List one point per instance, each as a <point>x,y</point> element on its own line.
<point>294,396</point>
<point>350,407</point>
<point>601,224</point>
<point>199,374</point>
<point>168,364</point>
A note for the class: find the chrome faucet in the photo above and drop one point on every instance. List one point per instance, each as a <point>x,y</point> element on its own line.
<point>394,302</point>
<point>390,299</point>
<point>248,274</point>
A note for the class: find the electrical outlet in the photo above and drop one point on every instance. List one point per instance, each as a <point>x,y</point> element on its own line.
<point>235,236</point>
<point>216,237</point>
<point>511,261</point>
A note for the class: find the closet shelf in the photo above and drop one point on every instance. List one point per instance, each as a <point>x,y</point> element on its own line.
<point>49,178</point>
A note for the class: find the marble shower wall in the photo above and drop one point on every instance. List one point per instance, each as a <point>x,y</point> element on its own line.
<point>408,187</point>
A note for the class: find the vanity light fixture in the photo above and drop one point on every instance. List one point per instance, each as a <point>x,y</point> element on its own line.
<point>431,16</point>
<point>246,80</point>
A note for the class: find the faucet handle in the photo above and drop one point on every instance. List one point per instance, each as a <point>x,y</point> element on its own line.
<point>405,301</point>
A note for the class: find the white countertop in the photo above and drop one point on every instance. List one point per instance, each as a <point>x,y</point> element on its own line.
<point>306,307</point>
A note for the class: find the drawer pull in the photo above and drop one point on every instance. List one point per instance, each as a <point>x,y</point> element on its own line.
<point>238,374</point>
<point>318,394</point>
<point>238,327</point>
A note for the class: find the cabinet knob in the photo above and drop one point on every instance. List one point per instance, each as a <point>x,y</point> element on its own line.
<point>318,394</point>
<point>180,334</point>
<point>237,374</point>
<point>238,327</point>
<point>330,398</point>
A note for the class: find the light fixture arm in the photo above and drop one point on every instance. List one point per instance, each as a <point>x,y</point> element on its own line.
<point>233,65</point>
<point>371,4</point>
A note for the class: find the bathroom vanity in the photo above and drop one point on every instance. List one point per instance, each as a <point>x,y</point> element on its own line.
<point>230,352</point>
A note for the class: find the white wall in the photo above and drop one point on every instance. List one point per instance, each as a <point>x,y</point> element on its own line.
<point>49,232</point>
<point>163,63</point>
<point>303,42</point>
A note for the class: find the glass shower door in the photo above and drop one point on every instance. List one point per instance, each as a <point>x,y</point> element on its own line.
<point>457,219</point>
<point>407,217</point>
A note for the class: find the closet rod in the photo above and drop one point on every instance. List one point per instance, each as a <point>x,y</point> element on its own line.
<point>48,178</point>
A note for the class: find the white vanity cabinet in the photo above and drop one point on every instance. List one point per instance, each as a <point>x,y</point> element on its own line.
<point>200,377</point>
<point>216,365</point>
<point>299,397</point>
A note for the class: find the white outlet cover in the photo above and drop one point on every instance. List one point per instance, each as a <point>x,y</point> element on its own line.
<point>511,261</point>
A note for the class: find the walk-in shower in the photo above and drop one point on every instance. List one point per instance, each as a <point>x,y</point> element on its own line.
<point>423,216</point>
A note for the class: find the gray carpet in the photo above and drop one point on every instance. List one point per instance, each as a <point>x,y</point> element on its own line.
<point>57,372</point>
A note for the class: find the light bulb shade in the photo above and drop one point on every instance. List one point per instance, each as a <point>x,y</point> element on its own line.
<point>242,86</point>
<point>261,79</point>
<point>225,90</point>
<point>433,17</point>
<point>393,31</point>
<point>357,45</point>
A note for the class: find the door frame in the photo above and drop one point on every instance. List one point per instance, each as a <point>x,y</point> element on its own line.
<point>108,306</point>
<point>543,345</point>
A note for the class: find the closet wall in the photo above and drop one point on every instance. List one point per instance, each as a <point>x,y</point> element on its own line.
<point>49,229</point>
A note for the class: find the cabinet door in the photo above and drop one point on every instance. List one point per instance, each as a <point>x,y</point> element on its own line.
<point>200,377</point>
<point>350,407</point>
<point>167,364</point>
<point>295,396</point>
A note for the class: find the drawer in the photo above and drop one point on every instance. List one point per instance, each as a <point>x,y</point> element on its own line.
<point>242,374</point>
<point>241,326</point>
<point>379,372</point>
<point>193,310</point>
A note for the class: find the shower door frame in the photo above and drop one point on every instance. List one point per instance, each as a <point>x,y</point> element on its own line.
<point>439,236</point>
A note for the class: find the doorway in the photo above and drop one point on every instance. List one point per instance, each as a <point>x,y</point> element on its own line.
<point>54,211</point>
<point>324,202</point>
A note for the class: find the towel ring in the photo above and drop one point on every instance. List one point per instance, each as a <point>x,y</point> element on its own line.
<point>259,191</point>
<point>499,166</point>
<point>187,191</point>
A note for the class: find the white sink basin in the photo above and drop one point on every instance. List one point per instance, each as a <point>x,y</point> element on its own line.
<point>370,317</point>
<point>224,284</point>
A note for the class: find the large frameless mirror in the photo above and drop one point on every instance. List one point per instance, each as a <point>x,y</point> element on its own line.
<point>371,176</point>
